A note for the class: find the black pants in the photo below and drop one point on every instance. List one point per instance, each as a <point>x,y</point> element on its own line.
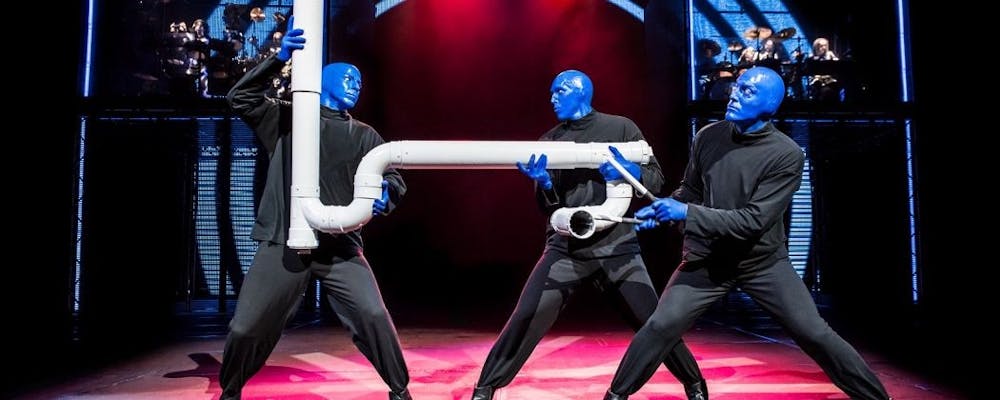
<point>552,282</point>
<point>271,293</point>
<point>779,290</point>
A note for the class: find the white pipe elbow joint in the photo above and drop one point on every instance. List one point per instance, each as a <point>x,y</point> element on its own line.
<point>582,222</point>
<point>337,219</point>
<point>343,219</point>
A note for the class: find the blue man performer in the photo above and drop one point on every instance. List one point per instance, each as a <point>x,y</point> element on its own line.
<point>610,257</point>
<point>273,287</point>
<point>737,185</point>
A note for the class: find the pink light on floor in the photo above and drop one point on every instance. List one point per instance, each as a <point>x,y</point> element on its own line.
<point>321,363</point>
<point>562,367</point>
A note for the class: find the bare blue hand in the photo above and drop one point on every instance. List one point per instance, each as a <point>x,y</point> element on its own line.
<point>646,214</point>
<point>536,170</point>
<point>611,174</point>
<point>292,41</point>
<point>379,206</point>
<point>668,209</point>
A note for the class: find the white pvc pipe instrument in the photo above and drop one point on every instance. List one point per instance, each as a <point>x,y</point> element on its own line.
<point>468,155</point>
<point>309,213</point>
<point>307,66</point>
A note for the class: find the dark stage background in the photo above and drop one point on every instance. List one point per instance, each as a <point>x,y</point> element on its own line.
<point>462,70</point>
<point>458,249</point>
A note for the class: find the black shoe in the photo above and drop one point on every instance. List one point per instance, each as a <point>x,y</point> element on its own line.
<point>611,396</point>
<point>697,390</point>
<point>404,395</point>
<point>483,393</point>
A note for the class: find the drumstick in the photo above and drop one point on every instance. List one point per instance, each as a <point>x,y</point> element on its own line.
<point>624,220</point>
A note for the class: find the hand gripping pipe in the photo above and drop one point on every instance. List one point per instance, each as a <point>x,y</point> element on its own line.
<point>576,221</point>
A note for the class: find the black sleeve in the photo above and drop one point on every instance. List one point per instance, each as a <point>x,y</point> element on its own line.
<point>397,187</point>
<point>690,189</point>
<point>766,207</point>
<point>264,115</point>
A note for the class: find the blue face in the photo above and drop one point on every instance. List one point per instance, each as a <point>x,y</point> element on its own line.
<point>571,94</point>
<point>341,86</point>
<point>756,95</point>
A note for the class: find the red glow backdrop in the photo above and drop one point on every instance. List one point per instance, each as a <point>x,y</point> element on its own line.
<point>481,70</point>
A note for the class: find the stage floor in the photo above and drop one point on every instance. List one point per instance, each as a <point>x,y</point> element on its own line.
<point>319,361</point>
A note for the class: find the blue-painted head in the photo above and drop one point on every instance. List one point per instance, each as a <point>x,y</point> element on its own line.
<point>341,86</point>
<point>572,92</point>
<point>756,96</point>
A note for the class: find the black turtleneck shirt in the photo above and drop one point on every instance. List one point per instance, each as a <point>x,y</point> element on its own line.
<point>738,186</point>
<point>586,187</point>
<point>343,142</point>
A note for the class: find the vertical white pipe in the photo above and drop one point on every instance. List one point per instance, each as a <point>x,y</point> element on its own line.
<point>307,65</point>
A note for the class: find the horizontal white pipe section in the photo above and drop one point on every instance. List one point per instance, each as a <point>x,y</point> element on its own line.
<point>468,155</point>
<point>459,154</point>
<point>307,67</point>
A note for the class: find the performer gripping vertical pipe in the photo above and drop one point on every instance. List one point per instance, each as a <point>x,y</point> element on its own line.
<point>335,141</point>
